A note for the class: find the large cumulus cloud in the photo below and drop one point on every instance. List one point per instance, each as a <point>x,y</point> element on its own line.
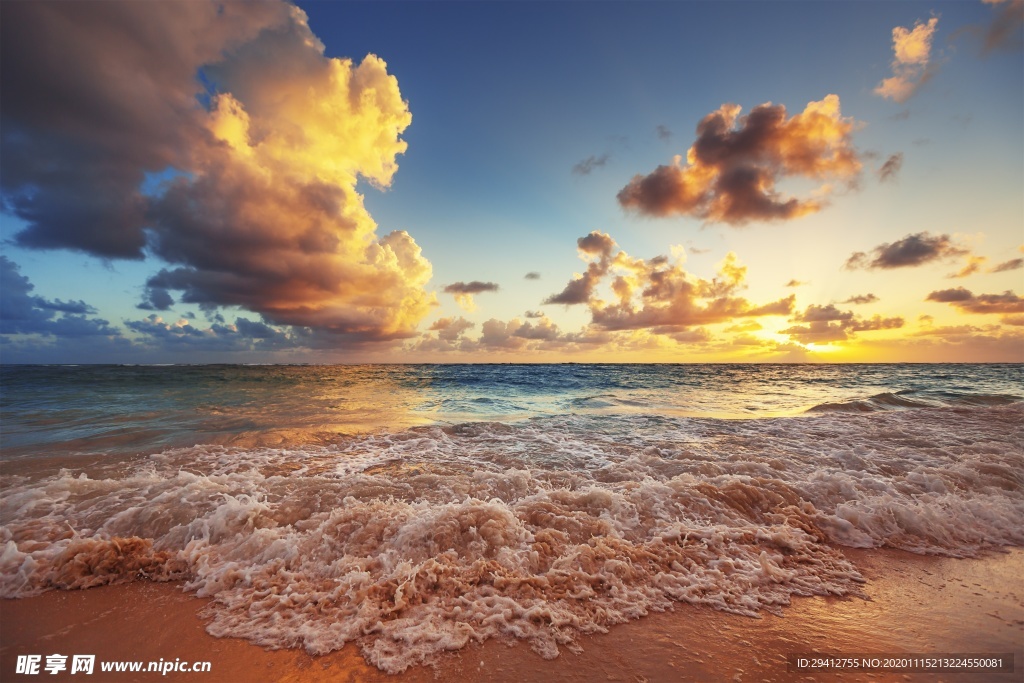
<point>732,168</point>
<point>260,139</point>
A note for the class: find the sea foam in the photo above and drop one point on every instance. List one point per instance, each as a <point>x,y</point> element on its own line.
<point>420,541</point>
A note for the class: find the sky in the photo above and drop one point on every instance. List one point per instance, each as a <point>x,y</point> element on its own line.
<point>511,182</point>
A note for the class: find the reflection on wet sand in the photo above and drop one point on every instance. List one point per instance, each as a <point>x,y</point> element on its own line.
<point>918,604</point>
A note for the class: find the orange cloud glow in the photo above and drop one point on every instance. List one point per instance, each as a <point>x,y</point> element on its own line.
<point>658,293</point>
<point>259,207</point>
<point>733,166</point>
<point>910,65</point>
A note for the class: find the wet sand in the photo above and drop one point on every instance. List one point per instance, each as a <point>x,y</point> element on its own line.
<point>918,604</point>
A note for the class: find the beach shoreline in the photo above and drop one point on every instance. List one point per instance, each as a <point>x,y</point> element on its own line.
<point>918,604</point>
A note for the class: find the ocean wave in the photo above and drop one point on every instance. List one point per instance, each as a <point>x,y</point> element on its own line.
<point>420,541</point>
<point>910,398</point>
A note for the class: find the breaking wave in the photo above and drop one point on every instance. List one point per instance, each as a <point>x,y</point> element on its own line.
<point>915,399</point>
<point>416,542</point>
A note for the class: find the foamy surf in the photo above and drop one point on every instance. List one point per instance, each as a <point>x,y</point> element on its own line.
<point>421,541</point>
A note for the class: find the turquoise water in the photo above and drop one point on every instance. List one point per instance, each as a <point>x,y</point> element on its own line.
<point>416,509</point>
<point>123,410</point>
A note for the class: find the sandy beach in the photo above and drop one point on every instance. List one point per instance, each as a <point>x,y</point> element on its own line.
<point>918,604</point>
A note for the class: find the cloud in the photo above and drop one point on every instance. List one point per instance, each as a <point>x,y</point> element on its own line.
<point>1004,33</point>
<point>23,313</point>
<point>464,291</point>
<point>1012,264</point>
<point>745,326</point>
<point>534,314</point>
<point>474,287</point>
<point>657,293</point>
<point>244,335</point>
<point>586,166</point>
<point>985,304</point>
<point>972,266</point>
<point>260,138</point>
<point>663,133</point>
<point>450,329</point>
<point>92,98</point>
<point>910,65</point>
<point>733,166</point>
<point>796,283</point>
<point>912,250</point>
<point>827,324</point>
<point>861,299</point>
<point>156,299</point>
<point>891,167</point>
<point>532,275</point>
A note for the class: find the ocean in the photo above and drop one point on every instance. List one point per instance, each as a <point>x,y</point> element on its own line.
<point>415,509</point>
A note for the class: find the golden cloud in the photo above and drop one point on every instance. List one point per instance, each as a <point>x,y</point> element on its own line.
<point>732,168</point>
<point>657,293</point>
<point>910,65</point>
<point>826,324</point>
<point>259,208</point>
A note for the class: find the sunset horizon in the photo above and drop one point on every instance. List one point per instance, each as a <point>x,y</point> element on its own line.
<point>865,206</point>
<point>501,341</point>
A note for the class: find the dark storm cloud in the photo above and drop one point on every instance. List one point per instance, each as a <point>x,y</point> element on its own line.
<point>23,313</point>
<point>733,166</point>
<point>912,250</point>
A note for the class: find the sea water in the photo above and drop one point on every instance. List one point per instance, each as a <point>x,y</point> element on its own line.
<point>416,508</point>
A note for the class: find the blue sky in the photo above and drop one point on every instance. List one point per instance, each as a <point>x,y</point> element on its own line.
<point>506,99</point>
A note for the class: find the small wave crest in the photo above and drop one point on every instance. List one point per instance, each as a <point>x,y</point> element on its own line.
<point>910,398</point>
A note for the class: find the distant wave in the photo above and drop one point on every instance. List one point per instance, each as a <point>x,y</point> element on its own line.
<point>914,399</point>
